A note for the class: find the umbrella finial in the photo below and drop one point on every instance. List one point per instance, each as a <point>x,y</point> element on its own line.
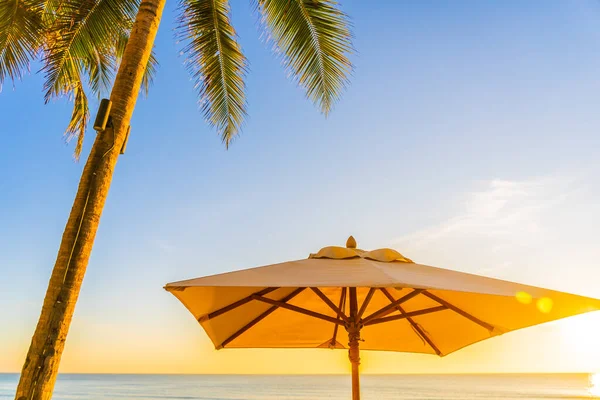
<point>351,242</point>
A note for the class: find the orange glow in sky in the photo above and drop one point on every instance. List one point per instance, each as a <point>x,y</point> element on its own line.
<point>568,345</point>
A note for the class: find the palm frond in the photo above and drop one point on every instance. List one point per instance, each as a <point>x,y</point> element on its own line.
<point>21,35</point>
<point>79,119</point>
<point>86,34</point>
<point>100,68</point>
<point>215,61</point>
<point>51,7</point>
<point>315,40</point>
<point>81,43</point>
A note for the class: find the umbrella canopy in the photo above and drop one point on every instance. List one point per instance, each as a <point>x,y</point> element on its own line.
<point>343,295</point>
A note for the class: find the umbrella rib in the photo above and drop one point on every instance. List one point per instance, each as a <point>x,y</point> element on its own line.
<point>236,304</point>
<point>298,309</point>
<point>459,311</point>
<point>337,310</point>
<point>406,315</point>
<point>415,326</point>
<point>341,307</point>
<point>259,318</point>
<point>365,303</point>
<point>392,307</point>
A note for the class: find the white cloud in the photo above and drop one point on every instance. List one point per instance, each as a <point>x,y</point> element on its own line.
<point>502,209</point>
<point>500,227</point>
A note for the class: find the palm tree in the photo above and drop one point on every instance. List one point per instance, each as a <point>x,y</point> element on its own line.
<point>81,43</point>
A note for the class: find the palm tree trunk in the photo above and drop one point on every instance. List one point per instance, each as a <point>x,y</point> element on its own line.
<point>41,365</point>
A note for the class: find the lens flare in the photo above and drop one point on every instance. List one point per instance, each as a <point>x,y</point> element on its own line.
<point>545,305</point>
<point>523,297</point>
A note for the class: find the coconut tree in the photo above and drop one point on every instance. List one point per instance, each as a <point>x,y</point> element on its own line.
<point>82,43</point>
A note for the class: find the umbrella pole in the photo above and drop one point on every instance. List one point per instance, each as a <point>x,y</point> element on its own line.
<point>353,329</point>
<point>354,355</point>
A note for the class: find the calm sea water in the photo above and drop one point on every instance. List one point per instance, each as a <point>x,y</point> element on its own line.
<point>236,387</point>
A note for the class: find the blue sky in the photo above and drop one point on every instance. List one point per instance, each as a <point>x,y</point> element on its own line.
<point>467,139</point>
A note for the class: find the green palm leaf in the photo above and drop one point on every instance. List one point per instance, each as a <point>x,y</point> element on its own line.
<point>79,119</point>
<point>216,62</point>
<point>314,38</point>
<point>100,67</point>
<point>81,43</point>
<point>87,31</point>
<point>21,35</point>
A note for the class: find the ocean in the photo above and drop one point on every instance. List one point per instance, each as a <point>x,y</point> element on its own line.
<point>277,387</point>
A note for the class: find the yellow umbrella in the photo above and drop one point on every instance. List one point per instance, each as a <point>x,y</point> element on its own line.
<point>379,298</point>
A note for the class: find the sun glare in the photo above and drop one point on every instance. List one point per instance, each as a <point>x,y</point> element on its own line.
<point>580,334</point>
<point>595,385</point>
